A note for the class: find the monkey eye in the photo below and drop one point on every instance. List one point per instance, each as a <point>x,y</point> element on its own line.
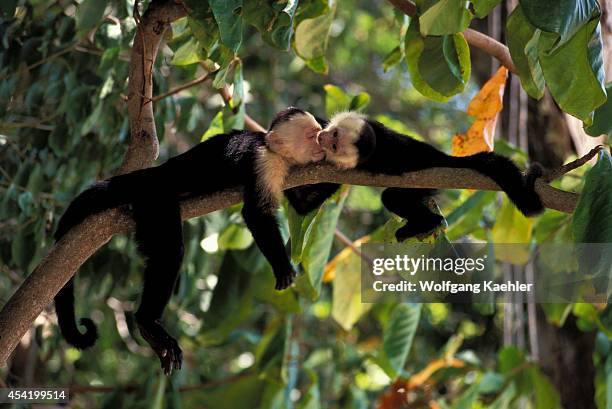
<point>335,134</point>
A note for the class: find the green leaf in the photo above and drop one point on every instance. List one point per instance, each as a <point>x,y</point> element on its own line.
<point>215,127</point>
<point>397,338</point>
<point>347,307</point>
<point>206,31</point>
<point>602,118</point>
<point>231,301</point>
<point>298,229</point>
<point>318,245</point>
<point>445,17</point>
<point>439,66</point>
<point>491,382</point>
<point>523,39</point>
<point>275,26</point>
<point>546,396</point>
<point>243,393</point>
<point>364,198</point>
<point>592,217</point>
<point>608,373</point>
<point>574,71</point>
<point>224,57</point>
<point>392,59</point>
<point>594,209</point>
<point>318,65</point>
<point>503,401</point>
<point>336,100</point>
<point>359,101</point>
<point>563,17</point>
<point>311,37</point>
<point>89,14</point>
<point>228,14</point>
<point>188,53</point>
<point>235,237</point>
<point>483,7</point>
<point>467,399</point>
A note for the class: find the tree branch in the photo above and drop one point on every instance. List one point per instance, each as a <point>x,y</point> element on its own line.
<point>144,146</point>
<point>487,44</point>
<point>80,243</point>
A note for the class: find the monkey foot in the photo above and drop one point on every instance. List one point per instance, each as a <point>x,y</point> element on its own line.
<point>284,280</point>
<point>166,347</point>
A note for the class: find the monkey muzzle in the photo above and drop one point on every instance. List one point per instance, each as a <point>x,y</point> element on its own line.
<point>328,141</point>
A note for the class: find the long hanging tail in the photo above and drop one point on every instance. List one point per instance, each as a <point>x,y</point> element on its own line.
<point>100,196</point>
<point>519,188</point>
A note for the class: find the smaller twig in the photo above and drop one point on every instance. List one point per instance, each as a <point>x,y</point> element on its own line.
<point>46,59</point>
<point>349,243</point>
<point>180,88</point>
<point>556,173</point>
<point>249,122</point>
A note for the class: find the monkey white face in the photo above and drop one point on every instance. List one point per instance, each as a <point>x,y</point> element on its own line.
<point>339,139</point>
<point>295,139</point>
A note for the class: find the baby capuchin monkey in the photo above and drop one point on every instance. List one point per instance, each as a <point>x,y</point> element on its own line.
<point>256,161</point>
<point>351,141</point>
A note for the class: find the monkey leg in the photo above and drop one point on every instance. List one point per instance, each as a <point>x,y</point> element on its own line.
<point>159,236</point>
<point>307,198</point>
<point>412,204</point>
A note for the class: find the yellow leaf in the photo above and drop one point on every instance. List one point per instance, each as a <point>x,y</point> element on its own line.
<point>485,108</point>
<point>515,229</point>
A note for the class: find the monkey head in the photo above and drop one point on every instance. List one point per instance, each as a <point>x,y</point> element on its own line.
<point>293,135</point>
<point>347,140</point>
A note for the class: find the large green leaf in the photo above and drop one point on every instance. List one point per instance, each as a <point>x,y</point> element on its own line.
<point>602,118</point>
<point>574,72</point>
<point>298,228</point>
<point>397,338</point>
<point>311,37</point>
<point>592,220</point>
<point>336,100</point>
<point>445,17</point>
<point>483,7</point>
<point>593,215</point>
<point>563,17</point>
<point>188,53</point>
<point>228,14</point>
<point>318,245</point>
<point>523,39</point>
<point>274,20</point>
<point>439,66</point>
<point>89,14</point>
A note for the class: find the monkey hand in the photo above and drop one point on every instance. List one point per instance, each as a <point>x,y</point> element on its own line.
<point>166,347</point>
<point>285,278</point>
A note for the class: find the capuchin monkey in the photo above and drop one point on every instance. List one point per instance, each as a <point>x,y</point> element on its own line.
<point>256,161</point>
<point>351,141</point>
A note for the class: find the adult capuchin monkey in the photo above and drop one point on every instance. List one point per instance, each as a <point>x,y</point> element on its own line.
<point>256,161</point>
<point>351,141</point>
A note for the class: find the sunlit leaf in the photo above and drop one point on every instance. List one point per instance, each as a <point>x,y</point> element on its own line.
<point>563,17</point>
<point>445,17</point>
<point>574,71</point>
<point>311,36</point>
<point>439,66</point>
<point>523,39</point>
<point>512,227</point>
<point>485,108</point>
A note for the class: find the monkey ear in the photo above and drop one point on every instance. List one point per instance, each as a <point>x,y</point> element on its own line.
<point>366,144</point>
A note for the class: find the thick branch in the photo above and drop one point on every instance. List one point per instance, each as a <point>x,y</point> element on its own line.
<point>487,44</point>
<point>144,146</point>
<point>83,241</point>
